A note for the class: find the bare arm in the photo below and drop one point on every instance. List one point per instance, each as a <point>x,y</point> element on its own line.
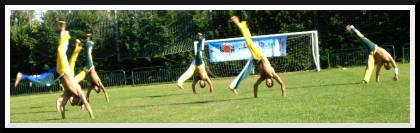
<point>210,84</point>
<point>256,86</point>
<point>378,69</point>
<point>61,104</point>
<point>394,65</point>
<point>283,86</point>
<point>195,81</point>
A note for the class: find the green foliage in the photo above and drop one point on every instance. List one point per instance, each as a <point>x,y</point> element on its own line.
<point>124,39</point>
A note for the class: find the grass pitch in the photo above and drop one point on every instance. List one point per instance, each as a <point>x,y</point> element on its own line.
<point>331,95</point>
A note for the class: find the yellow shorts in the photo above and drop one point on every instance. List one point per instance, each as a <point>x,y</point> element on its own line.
<point>254,49</point>
<point>63,66</point>
<point>369,67</point>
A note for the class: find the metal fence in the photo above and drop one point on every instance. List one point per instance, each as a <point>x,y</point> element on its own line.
<point>25,88</point>
<point>353,57</point>
<point>347,57</point>
<point>406,54</point>
<point>390,49</point>
<point>149,75</point>
<point>113,78</point>
<point>156,74</point>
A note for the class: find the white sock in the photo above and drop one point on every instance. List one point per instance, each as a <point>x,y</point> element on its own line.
<point>396,71</point>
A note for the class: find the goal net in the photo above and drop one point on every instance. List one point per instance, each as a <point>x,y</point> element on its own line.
<point>300,52</point>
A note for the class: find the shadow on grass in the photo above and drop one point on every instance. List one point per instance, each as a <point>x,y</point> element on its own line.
<point>36,112</point>
<point>189,103</point>
<point>324,85</point>
<point>49,119</point>
<point>159,96</point>
<point>36,107</point>
<point>57,119</point>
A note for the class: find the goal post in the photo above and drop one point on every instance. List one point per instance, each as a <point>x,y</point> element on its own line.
<point>301,53</point>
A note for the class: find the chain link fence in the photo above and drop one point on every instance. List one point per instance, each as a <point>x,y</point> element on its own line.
<point>149,75</point>
<point>353,57</point>
<point>406,54</point>
<point>25,87</point>
<point>159,74</point>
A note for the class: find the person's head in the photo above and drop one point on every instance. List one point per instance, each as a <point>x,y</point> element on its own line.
<point>75,100</point>
<point>78,42</point>
<point>62,25</point>
<point>269,82</point>
<point>88,36</point>
<point>200,35</point>
<point>387,65</point>
<point>348,28</point>
<point>202,83</point>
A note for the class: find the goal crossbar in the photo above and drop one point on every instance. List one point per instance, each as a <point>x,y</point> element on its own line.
<point>314,39</point>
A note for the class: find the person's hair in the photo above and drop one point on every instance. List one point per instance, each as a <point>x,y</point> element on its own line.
<point>62,23</point>
<point>202,83</point>
<point>89,36</point>
<point>266,82</point>
<point>387,65</point>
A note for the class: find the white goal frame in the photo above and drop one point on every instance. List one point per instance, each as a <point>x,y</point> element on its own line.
<point>314,43</point>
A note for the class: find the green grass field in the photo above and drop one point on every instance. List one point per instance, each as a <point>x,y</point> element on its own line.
<point>331,95</point>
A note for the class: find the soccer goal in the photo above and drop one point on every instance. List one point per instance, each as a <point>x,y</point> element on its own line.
<point>287,52</point>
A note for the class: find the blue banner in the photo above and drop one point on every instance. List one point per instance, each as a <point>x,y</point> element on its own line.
<point>237,49</point>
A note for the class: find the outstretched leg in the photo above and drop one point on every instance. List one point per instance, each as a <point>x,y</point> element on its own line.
<point>80,76</point>
<point>369,68</point>
<point>186,75</point>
